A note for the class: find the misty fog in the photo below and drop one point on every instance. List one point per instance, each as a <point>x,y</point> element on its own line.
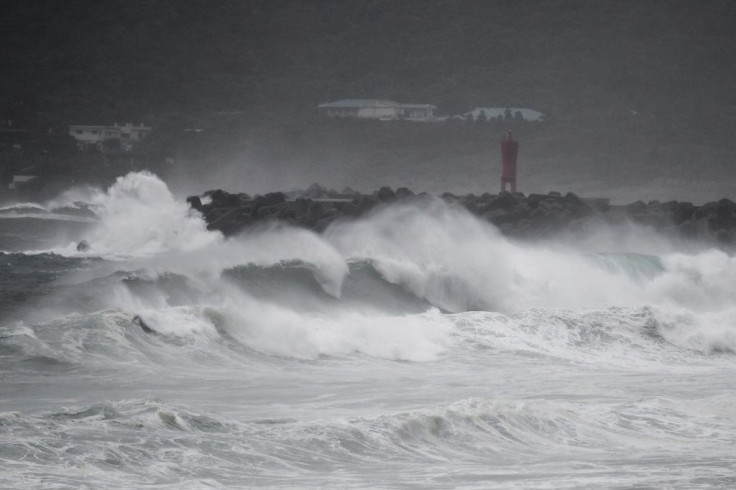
<point>637,97</point>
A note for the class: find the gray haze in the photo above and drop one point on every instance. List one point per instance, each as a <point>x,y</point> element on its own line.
<point>638,96</point>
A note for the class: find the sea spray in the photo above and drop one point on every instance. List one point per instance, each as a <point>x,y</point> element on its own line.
<point>350,359</point>
<point>139,216</point>
<point>444,254</point>
<point>439,253</point>
<point>75,196</point>
<point>436,252</point>
<point>278,330</point>
<point>22,208</point>
<point>284,330</point>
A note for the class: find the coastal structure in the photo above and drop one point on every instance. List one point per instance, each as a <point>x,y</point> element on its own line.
<point>383,110</point>
<point>533,216</point>
<point>95,135</point>
<point>501,114</point>
<point>18,181</point>
<point>509,152</point>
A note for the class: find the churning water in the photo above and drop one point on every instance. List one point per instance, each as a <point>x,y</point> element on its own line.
<point>414,348</point>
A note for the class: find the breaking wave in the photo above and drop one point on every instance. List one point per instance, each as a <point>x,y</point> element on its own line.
<point>399,447</point>
<point>416,346</point>
<point>383,285</point>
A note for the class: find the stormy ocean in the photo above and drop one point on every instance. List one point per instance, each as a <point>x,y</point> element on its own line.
<point>414,348</point>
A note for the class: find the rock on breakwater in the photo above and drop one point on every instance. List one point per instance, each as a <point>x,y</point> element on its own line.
<point>533,216</point>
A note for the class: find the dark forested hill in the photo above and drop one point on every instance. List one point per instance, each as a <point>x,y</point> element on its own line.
<point>130,58</point>
<point>625,83</point>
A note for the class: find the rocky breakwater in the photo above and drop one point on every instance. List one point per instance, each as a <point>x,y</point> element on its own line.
<point>533,216</point>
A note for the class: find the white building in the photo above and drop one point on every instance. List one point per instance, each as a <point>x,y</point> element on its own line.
<point>128,134</point>
<point>384,110</point>
<point>19,180</point>
<point>503,113</point>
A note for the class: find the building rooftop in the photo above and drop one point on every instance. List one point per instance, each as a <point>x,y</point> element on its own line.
<point>418,106</point>
<point>495,112</point>
<point>108,126</point>
<point>357,103</point>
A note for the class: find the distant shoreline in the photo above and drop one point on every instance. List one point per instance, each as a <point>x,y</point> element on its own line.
<point>50,217</point>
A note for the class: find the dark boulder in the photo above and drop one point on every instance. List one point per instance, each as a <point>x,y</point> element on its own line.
<point>551,204</point>
<point>316,210</point>
<point>144,326</point>
<point>349,209</point>
<point>195,202</point>
<point>638,207</point>
<point>270,199</point>
<point>301,205</point>
<point>449,197</point>
<point>322,224</point>
<point>404,193</point>
<point>221,198</point>
<point>576,206</point>
<point>305,221</point>
<point>486,197</point>
<point>497,216</point>
<point>224,219</point>
<point>725,212</point>
<point>683,212</point>
<point>315,191</point>
<point>386,194</point>
<point>707,210</point>
<point>669,206</point>
<point>539,213</point>
<point>237,224</point>
<point>687,229</point>
<point>265,212</point>
<point>536,216</point>
<point>365,204</point>
<point>724,237</point>
<point>273,198</point>
<point>504,201</point>
<point>287,213</point>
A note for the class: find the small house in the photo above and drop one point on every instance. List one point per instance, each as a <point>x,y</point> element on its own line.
<point>95,135</point>
<point>383,110</point>
<point>503,114</point>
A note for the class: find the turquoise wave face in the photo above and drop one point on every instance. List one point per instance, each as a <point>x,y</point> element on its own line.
<point>639,267</point>
<point>416,347</point>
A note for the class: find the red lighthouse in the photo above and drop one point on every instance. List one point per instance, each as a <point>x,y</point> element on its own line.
<point>509,151</point>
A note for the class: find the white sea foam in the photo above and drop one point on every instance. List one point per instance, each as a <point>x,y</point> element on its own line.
<point>139,216</point>
<point>273,329</point>
<point>73,196</point>
<point>580,369</point>
<point>264,246</point>
<point>22,206</point>
<point>459,262</point>
<point>438,252</point>
<point>72,199</point>
<point>446,254</point>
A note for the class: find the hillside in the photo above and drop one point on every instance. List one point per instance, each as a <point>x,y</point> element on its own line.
<point>115,59</point>
<point>626,84</point>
